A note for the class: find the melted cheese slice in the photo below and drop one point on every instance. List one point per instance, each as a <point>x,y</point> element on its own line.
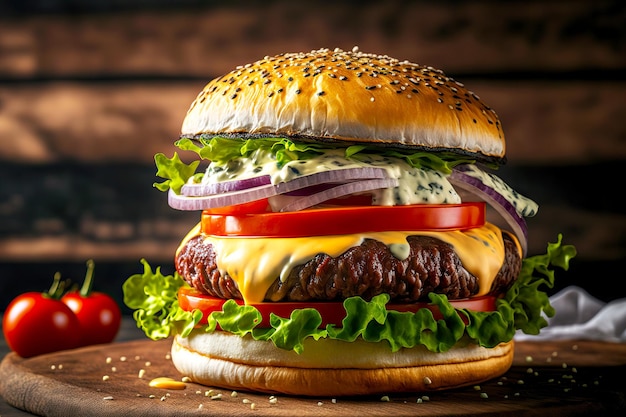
<point>255,263</point>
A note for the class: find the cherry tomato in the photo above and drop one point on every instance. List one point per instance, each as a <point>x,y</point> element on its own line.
<point>35,323</point>
<point>346,220</point>
<point>98,313</point>
<point>332,312</point>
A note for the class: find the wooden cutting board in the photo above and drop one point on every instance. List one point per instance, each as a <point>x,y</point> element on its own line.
<point>548,378</point>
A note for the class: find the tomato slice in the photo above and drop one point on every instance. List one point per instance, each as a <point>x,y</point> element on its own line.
<point>332,312</point>
<point>346,220</point>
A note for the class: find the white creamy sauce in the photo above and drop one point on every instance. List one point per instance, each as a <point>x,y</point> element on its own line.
<point>258,164</point>
<point>524,206</point>
<point>415,186</point>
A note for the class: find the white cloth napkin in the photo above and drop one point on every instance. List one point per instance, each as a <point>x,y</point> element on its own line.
<point>578,315</point>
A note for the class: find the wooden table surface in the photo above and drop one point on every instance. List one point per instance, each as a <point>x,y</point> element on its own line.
<point>557,378</point>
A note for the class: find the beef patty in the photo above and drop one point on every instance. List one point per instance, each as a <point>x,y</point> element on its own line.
<point>365,270</point>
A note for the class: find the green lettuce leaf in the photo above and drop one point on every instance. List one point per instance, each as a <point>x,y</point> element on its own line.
<point>524,307</point>
<point>371,321</point>
<point>221,150</point>
<point>154,298</point>
<point>290,332</point>
<point>174,171</point>
<point>529,301</point>
<point>233,318</point>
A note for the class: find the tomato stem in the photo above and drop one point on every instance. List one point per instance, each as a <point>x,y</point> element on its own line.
<point>57,288</point>
<point>85,290</point>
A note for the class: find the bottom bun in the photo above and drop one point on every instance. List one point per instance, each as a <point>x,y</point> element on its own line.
<point>329,367</point>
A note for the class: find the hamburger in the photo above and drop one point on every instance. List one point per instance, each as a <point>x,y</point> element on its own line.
<point>353,237</point>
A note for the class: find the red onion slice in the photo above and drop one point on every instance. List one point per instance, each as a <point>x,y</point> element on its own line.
<point>505,210</point>
<point>197,190</point>
<point>192,202</point>
<point>334,176</point>
<point>279,203</point>
<point>182,202</point>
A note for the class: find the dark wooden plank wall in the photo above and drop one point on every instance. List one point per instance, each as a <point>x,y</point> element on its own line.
<point>90,92</point>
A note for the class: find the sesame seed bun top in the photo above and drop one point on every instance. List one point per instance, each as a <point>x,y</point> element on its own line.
<point>351,96</point>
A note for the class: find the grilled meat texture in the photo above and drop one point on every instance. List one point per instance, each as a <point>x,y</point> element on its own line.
<point>366,270</point>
